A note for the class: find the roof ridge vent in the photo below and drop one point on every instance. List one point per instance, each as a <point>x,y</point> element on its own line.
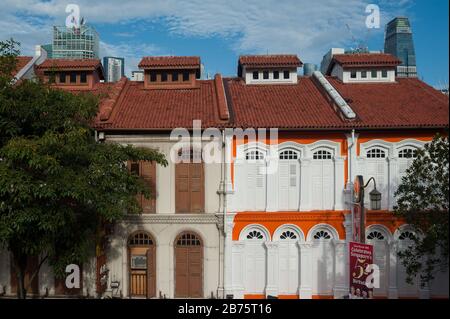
<point>335,96</point>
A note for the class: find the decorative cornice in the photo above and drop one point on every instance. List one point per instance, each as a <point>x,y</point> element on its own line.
<point>291,216</point>
<point>175,219</point>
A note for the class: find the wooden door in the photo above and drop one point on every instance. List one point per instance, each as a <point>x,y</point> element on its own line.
<point>190,188</point>
<point>188,266</point>
<point>32,264</point>
<point>142,265</point>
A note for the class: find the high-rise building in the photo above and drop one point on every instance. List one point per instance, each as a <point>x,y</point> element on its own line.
<point>75,43</point>
<point>114,68</point>
<point>399,42</point>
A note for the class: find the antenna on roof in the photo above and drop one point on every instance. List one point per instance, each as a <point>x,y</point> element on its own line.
<point>360,47</point>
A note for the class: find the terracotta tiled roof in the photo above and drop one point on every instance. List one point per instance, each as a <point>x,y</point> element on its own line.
<point>170,62</point>
<point>137,108</point>
<point>407,103</point>
<point>70,64</point>
<point>21,62</point>
<point>270,61</point>
<point>366,59</point>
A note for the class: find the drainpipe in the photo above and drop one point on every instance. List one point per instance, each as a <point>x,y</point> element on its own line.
<point>223,207</point>
<point>350,166</point>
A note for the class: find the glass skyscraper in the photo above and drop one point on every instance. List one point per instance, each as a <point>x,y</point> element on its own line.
<point>399,42</point>
<point>75,43</point>
<point>114,68</point>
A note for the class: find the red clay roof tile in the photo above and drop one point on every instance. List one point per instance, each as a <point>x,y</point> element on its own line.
<point>270,60</point>
<point>22,61</point>
<point>366,59</point>
<point>70,64</point>
<point>170,62</point>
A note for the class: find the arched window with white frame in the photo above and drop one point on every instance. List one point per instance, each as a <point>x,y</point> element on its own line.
<point>289,180</point>
<point>255,182</point>
<point>377,166</point>
<point>378,236</point>
<point>322,180</point>
<point>323,259</point>
<point>406,157</point>
<point>405,241</point>
<point>255,259</point>
<point>287,237</point>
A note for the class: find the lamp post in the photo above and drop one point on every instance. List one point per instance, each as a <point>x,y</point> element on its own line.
<point>374,195</point>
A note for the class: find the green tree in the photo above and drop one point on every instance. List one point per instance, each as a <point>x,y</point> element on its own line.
<point>58,185</point>
<point>423,199</point>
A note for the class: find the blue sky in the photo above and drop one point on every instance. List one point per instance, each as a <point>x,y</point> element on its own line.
<point>220,30</point>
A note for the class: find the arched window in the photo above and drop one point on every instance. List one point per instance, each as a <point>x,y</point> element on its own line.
<point>288,235</point>
<point>140,239</point>
<point>375,235</point>
<point>408,153</point>
<point>288,155</point>
<point>322,155</point>
<point>254,155</point>
<point>188,239</point>
<point>322,234</point>
<point>406,235</point>
<point>376,153</point>
<point>255,234</point>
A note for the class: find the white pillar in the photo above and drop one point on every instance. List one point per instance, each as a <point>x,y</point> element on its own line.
<point>340,288</point>
<point>339,182</point>
<point>306,271</point>
<point>272,268</point>
<point>238,271</point>
<point>393,180</point>
<point>393,260</point>
<point>228,253</point>
<point>305,201</point>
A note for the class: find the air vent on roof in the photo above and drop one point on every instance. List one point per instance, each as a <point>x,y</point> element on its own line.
<point>337,98</point>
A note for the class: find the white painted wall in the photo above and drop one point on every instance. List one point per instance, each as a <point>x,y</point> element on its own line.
<point>247,74</point>
<point>345,75</point>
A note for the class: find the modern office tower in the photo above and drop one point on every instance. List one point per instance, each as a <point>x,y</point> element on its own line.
<point>48,48</point>
<point>114,68</point>
<point>75,43</point>
<point>399,42</point>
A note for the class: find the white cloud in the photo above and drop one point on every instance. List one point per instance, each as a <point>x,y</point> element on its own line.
<point>251,26</point>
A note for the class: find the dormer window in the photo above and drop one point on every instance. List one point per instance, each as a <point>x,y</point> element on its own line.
<point>153,76</point>
<point>83,77</point>
<point>363,67</point>
<point>269,69</point>
<point>81,74</point>
<point>170,72</point>
<point>185,76</point>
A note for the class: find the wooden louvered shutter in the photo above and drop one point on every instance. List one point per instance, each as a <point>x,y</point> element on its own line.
<point>148,173</point>
<point>196,187</point>
<point>182,188</point>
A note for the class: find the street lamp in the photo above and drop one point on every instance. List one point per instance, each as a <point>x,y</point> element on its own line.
<point>374,195</point>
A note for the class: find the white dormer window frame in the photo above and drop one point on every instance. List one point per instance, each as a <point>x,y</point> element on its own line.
<point>270,76</point>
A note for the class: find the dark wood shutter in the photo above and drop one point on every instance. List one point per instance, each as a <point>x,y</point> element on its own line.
<point>188,266</point>
<point>189,186</point>
<point>148,173</point>
<point>32,264</point>
<point>146,170</point>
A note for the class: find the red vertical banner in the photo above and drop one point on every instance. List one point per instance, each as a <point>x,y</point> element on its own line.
<point>361,260</point>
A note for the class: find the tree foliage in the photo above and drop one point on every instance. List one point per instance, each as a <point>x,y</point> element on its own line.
<point>58,185</point>
<point>423,200</point>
